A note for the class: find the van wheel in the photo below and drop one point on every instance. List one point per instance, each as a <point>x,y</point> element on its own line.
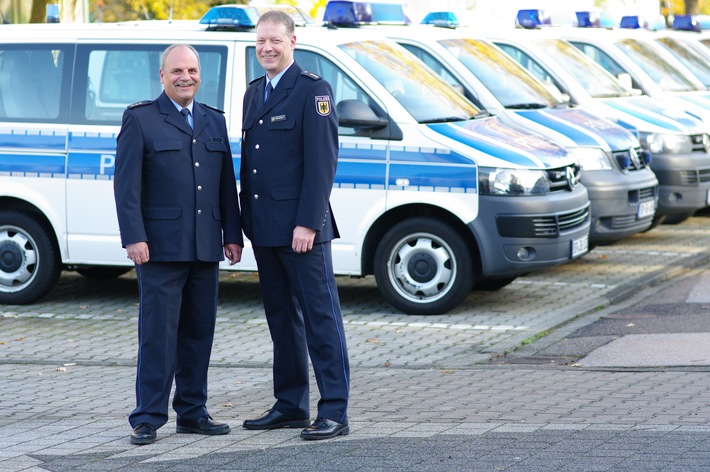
<point>102,272</point>
<point>423,267</point>
<point>29,262</point>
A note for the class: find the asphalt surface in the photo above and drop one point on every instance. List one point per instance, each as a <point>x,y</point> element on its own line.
<point>598,365</point>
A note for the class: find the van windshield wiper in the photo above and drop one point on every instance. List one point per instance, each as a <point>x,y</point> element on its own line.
<point>444,119</point>
<point>527,106</point>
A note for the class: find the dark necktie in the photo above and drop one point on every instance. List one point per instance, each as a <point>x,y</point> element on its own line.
<point>186,113</point>
<point>269,89</point>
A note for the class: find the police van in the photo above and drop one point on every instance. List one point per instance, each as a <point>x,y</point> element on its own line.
<point>677,141</point>
<point>428,196</point>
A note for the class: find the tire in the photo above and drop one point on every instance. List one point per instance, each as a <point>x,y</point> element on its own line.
<point>492,285</point>
<point>676,218</point>
<point>29,260</point>
<point>444,275</point>
<point>102,272</point>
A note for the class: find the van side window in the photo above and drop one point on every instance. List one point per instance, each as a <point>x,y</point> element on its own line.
<point>111,77</point>
<point>343,86</point>
<point>33,82</point>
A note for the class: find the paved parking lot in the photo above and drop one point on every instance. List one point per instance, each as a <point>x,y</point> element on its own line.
<point>425,394</point>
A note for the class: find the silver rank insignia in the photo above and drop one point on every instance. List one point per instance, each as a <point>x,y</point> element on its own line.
<point>323,105</point>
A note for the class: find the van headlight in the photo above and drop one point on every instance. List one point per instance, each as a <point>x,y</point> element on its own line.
<point>513,182</point>
<point>591,158</point>
<point>665,143</point>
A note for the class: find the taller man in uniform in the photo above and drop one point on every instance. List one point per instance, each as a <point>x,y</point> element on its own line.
<point>179,216</point>
<point>289,157</point>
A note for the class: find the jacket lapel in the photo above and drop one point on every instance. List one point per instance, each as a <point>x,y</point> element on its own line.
<point>172,115</point>
<point>281,91</point>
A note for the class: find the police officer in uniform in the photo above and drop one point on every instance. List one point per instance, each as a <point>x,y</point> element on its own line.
<point>289,158</point>
<point>178,215</point>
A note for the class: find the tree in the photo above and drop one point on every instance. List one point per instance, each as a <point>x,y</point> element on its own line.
<point>692,7</point>
<point>39,11</point>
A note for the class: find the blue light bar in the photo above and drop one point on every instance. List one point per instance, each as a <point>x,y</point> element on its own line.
<point>230,17</point>
<point>353,13</point>
<point>637,22</point>
<point>594,19</point>
<point>532,19</point>
<point>686,23</point>
<point>446,19</point>
<point>347,13</point>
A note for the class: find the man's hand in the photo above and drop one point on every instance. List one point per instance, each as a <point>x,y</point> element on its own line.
<point>303,239</point>
<point>233,252</point>
<point>138,252</point>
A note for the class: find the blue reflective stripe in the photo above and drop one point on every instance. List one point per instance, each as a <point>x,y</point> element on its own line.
<point>490,137</point>
<point>645,114</point>
<point>34,139</point>
<point>47,165</point>
<point>92,141</point>
<point>580,137</point>
<point>436,177</point>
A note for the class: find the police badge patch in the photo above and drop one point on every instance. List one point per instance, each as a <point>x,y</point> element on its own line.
<point>323,105</point>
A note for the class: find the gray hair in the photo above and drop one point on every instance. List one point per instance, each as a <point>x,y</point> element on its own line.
<point>169,49</point>
<point>278,17</point>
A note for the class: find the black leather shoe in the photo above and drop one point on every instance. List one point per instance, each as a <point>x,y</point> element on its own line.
<point>272,419</point>
<point>143,434</point>
<point>204,425</point>
<point>323,428</point>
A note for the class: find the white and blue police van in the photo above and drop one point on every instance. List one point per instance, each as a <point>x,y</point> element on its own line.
<point>636,56</point>
<point>429,197</point>
<point>623,190</point>
<point>677,141</point>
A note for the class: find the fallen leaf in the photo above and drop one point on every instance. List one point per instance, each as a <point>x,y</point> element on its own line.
<point>374,341</point>
<point>19,339</point>
<point>387,364</point>
<point>227,405</point>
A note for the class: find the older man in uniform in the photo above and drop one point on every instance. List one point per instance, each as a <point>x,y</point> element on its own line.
<point>289,157</point>
<point>179,216</point>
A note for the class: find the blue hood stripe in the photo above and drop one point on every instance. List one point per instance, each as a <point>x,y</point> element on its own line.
<point>646,115</point>
<point>580,137</point>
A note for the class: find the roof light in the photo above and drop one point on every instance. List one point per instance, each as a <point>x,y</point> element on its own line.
<point>637,22</point>
<point>230,17</point>
<point>349,13</point>
<point>532,19</point>
<point>594,19</point>
<point>686,23</point>
<point>446,19</point>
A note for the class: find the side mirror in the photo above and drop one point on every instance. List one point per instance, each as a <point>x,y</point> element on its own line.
<point>355,114</point>
<point>626,81</point>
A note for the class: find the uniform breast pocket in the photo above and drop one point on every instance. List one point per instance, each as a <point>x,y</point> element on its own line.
<point>215,145</point>
<point>163,145</point>
<point>275,123</point>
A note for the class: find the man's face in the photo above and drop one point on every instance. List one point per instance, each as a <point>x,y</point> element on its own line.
<point>180,75</point>
<point>274,47</point>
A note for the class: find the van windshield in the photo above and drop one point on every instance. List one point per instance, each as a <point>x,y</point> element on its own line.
<point>663,73</point>
<point>693,58</point>
<point>508,81</point>
<point>596,81</point>
<point>427,97</point>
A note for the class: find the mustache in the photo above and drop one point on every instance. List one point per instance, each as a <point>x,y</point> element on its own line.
<point>183,82</point>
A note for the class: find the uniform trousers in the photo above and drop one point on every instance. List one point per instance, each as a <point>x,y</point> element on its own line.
<point>176,323</point>
<point>303,313</point>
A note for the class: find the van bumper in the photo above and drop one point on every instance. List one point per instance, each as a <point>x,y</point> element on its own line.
<point>622,203</point>
<point>684,182</point>
<point>518,235</point>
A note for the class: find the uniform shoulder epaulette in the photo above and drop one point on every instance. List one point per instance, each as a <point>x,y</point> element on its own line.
<point>311,75</point>
<point>256,80</point>
<point>212,108</point>
<point>140,104</point>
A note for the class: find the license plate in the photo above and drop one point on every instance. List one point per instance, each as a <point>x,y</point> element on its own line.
<point>580,246</point>
<point>646,209</point>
